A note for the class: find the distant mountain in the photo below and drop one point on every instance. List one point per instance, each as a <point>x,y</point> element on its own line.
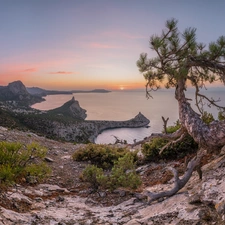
<point>16,91</point>
<point>42,92</point>
<point>19,95</point>
<point>92,91</point>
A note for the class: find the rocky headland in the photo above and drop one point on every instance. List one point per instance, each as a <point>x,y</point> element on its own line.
<point>63,123</point>
<point>63,199</point>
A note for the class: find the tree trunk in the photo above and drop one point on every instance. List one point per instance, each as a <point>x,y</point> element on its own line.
<point>210,136</point>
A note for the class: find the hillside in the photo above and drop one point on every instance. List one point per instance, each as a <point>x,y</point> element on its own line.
<point>17,92</point>
<point>64,199</point>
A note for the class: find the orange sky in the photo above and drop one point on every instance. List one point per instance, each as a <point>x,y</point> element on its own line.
<point>91,44</point>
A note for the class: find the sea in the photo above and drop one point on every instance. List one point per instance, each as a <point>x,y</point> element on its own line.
<point>124,105</point>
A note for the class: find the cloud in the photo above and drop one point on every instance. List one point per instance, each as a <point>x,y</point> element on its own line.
<point>30,70</point>
<point>62,72</point>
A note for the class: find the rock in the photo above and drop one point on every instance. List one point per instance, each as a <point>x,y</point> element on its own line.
<point>222,151</point>
<point>195,199</point>
<point>220,207</point>
<point>47,159</point>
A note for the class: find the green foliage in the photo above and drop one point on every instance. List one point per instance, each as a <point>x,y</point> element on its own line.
<point>172,129</point>
<point>176,56</point>
<point>123,174</point>
<point>177,150</point>
<point>207,117</point>
<point>221,115</point>
<point>101,155</point>
<point>180,149</point>
<point>151,149</point>
<point>95,176</point>
<point>18,161</point>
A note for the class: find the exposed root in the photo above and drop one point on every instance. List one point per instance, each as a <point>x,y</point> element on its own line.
<point>179,182</point>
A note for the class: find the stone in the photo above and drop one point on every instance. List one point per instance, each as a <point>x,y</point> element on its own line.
<point>47,159</point>
<point>220,207</point>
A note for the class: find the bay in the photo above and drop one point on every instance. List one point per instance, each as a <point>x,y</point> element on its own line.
<point>124,105</point>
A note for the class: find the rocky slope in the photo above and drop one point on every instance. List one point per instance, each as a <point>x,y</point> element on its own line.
<point>16,91</point>
<point>63,198</point>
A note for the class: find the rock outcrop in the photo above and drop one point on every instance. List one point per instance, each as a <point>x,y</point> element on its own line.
<point>70,109</point>
<point>88,130</point>
<point>16,91</point>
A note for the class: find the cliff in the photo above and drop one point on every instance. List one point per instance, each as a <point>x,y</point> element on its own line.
<point>70,109</point>
<point>17,92</point>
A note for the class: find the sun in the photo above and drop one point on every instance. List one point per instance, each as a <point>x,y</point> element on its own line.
<point>121,88</point>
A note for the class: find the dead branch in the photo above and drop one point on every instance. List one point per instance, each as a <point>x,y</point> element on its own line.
<point>174,135</point>
<point>165,124</point>
<point>179,183</point>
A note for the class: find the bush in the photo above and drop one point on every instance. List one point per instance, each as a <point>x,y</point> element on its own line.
<point>18,161</point>
<point>172,129</point>
<point>180,149</point>
<point>123,174</point>
<point>151,149</point>
<point>95,176</point>
<point>174,151</point>
<point>207,117</point>
<point>101,155</point>
<point>221,115</point>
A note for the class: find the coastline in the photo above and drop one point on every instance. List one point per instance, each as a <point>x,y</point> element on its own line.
<point>88,130</point>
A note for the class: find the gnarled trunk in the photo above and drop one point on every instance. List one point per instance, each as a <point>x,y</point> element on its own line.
<point>210,136</point>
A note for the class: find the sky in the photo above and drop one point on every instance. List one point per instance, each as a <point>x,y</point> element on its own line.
<point>88,44</point>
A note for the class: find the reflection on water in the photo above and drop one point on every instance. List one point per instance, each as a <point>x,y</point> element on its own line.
<point>125,105</point>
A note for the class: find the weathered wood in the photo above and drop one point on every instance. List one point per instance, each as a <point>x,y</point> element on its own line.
<point>165,121</point>
<point>212,136</point>
<point>178,183</point>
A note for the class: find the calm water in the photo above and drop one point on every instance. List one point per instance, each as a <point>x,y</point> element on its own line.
<point>123,106</point>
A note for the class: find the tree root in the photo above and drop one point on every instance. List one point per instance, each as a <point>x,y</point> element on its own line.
<point>179,183</point>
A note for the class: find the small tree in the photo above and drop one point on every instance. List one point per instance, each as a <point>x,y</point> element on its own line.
<point>181,61</point>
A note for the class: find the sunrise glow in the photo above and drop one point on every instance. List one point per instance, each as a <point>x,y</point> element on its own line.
<point>90,44</point>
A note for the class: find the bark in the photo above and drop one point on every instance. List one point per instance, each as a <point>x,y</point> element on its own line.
<point>210,136</point>
<point>179,183</point>
<point>165,124</point>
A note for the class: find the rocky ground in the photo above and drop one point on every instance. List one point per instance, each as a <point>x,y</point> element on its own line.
<point>63,199</point>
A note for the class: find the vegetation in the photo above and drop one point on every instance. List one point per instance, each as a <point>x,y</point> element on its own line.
<point>172,129</point>
<point>181,60</point>
<point>102,155</point>
<point>18,162</point>
<point>123,174</point>
<point>176,150</point>
<point>207,117</point>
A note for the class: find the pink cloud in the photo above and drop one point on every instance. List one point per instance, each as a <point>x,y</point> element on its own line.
<point>62,72</point>
<point>30,70</point>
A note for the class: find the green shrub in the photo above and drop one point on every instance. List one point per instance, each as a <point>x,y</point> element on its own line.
<point>18,161</point>
<point>207,117</point>
<point>95,176</point>
<point>101,155</point>
<point>174,151</point>
<point>123,174</point>
<point>172,129</point>
<point>180,149</point>
<point>151,149</point>
<point>221,115</point>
